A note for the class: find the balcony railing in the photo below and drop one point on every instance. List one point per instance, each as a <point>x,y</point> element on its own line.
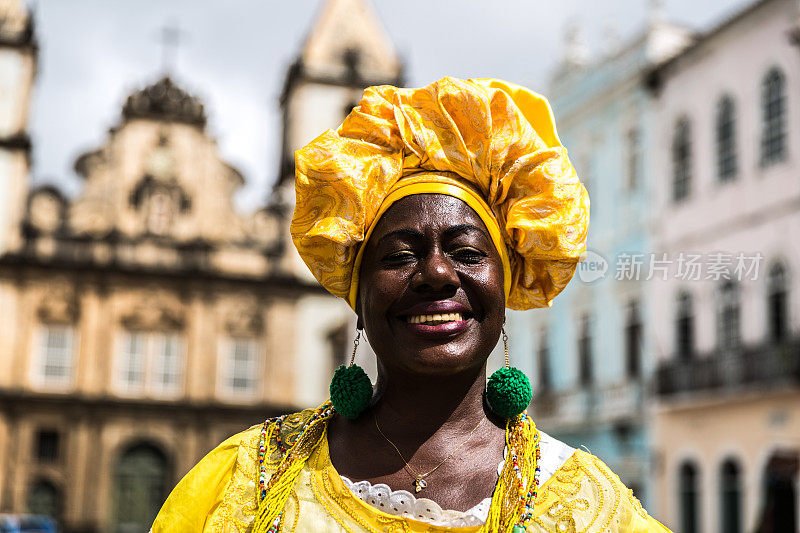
<point>759,366</point>
<point>598,404</point>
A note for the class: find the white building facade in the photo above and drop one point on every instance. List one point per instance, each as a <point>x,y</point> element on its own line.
<point>725,309</point>
<point>589,356</point>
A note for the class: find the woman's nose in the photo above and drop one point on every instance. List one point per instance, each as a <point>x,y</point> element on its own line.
<point>436,274</point>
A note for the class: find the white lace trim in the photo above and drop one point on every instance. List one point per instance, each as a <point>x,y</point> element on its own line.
<point>403,503</point>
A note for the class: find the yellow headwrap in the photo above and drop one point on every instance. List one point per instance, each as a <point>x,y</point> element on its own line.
<point>490,143</point>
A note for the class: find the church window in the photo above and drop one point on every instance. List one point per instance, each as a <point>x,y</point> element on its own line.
<point>150,363</point>
<point>56,355</point>
<point>167,363</point>
<point>133,361</point>
<point>240,366</point>
<point>773,117</point>
<point>681,160</point>
<point>726,139</point>
<point>47,445</point>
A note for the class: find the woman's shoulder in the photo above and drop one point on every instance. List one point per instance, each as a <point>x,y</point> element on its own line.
<point>220,486</point>
<point>585,493</point>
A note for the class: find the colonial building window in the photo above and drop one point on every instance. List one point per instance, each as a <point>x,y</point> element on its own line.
<point>54,365</point>
<point>150,363</point>
<point>633,341</point>
<point>728,317</point>
<point>47,446</point>
<point>167,363</point>
<point>681,160</point>
<point>634,157</point>
<point>543,361</point>
<point>773,117</point>
<point>726,139</point>
<point>689,497</point>
<point>730,497</point>
<point>777,299</point>
<point>684,327</point>
<point>585,364</point>
<point>240,366</point>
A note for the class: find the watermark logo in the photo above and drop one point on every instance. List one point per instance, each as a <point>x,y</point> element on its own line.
<point>685,266</point>
<point>592,267</point>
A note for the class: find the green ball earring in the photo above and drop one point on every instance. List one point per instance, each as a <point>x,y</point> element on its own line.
<point>508,390</point>
<point>351,389</point>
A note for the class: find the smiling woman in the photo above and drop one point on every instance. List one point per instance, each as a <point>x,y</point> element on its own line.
<point>430,211</point>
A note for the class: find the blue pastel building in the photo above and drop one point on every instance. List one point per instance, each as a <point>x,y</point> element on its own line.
<point>589,357</point>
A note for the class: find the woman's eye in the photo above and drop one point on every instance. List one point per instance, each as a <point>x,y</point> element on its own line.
<point>399,256</point>
<point>468,254</point>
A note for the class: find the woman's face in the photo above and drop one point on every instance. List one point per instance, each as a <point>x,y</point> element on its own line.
<point>431,287</point>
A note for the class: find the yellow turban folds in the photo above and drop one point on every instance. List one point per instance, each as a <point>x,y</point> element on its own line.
<point>490,143</point>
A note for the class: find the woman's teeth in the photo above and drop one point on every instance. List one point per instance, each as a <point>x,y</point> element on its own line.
<point>432,320</point>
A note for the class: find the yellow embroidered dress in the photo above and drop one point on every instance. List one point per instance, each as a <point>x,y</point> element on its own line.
<point>220,495</point>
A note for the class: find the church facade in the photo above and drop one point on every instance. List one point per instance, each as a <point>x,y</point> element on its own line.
<point>146,319</point>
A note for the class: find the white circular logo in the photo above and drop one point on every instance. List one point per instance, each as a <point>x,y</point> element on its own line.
<point>592,267</point>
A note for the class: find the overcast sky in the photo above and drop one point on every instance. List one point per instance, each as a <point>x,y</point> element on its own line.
<point>235,53</point>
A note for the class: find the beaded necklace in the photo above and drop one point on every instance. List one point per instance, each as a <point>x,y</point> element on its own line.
<point>522,440</point>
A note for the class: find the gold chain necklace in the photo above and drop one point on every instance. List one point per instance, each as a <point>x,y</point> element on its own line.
<point>419,479</point>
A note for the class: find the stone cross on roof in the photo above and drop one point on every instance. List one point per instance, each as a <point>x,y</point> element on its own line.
<point>170,36</point>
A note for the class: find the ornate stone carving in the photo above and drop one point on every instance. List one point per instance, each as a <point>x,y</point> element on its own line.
<point>165,100</point>
<point>15,22</point>
<point>244,319</point>
<point>158,195</point>
<point>155,312</point>
<point>59,305</point>
<point>46,210</point>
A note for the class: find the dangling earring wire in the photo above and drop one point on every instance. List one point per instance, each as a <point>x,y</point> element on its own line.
<point>356,342</point>
<point>505,347</point>
<point>351,390</point>
<point>508,390</point>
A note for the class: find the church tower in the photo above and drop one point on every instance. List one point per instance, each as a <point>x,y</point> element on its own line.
<point>18,52</point>
<point>346,51</point>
